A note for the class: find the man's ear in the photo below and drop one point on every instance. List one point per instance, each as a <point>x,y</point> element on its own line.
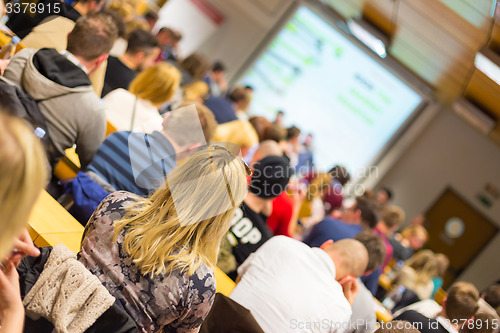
<point>326,244</point>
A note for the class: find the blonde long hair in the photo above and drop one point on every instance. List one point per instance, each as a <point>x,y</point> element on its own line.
<point>425,265</point>
<point>157,83</point>
<point>23,173</point>
<point>181,226</point>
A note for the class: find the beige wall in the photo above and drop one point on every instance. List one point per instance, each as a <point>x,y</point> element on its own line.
<point>449,152</point>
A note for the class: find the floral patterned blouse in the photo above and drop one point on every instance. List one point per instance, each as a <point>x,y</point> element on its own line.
<point>173,303</point>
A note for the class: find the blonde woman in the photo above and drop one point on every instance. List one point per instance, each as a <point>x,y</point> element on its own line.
<point>137,109</point>
<point>22,177</point>
<point>238,132</point>
<point>155,254</point>
<point>417,273</point>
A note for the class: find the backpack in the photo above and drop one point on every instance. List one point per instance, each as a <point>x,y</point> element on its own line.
<point>16,102</point>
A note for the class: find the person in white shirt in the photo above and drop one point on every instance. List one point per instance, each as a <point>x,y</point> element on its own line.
<point>137,109</point>
<point>290,287</point>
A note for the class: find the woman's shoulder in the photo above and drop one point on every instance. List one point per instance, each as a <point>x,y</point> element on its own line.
<point>116,202</point>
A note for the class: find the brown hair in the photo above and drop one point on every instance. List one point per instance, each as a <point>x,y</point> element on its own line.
<point>393,216</point>
<point>92,36</point>
<point>260,124</point>
<point>375,246</point>
<point>274,132</point>
<point>461,302</point>
<point>177,126</point>
<point>196,64</point>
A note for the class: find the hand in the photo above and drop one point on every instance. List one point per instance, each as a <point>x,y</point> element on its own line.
<point>3,65</point>
<point>11,305</point>
<point>23,247</point>
<point>350,288</point>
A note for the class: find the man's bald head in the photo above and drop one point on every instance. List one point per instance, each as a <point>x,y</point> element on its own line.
<point>349,256</point>
<point>267,148</point>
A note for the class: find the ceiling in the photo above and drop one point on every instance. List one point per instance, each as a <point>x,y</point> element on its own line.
<point>438,40</point>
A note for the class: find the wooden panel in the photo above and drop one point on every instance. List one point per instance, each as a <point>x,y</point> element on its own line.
<point>380,14</point>
<point>446,22</point>
<point>484,91</point>
<point>347,8</point>
<point>71,240</point>
<point>477,12</point>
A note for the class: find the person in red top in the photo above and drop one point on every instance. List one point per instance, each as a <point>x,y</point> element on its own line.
<point>279,220</point>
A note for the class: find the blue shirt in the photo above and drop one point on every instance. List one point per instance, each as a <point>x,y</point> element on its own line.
<point>134,162</point>
<point>333,229</point>
<point>222,108</point>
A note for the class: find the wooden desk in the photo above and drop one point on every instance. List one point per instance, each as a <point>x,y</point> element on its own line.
<point>68,166</point>
<point>224,283</point>
<point>50,224</point>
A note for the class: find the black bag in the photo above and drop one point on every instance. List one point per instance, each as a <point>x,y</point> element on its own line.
<point>16,102</point>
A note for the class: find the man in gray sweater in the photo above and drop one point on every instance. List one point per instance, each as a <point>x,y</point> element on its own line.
<point>59,82</point>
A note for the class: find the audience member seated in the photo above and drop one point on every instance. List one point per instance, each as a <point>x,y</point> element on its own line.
<point>249,230</point>
<point>193,68</point>
<point>489,303</point>
<point>458,307</point>
<point>291,145</point>
<point>417,274</point>
<point>363,318</point>
<point>406,242</point>
<point>216,80</point>
<point>60,82</point>
<point>383,197</point>
<point>391,218</point>
<point>151,18</point>
<point>123,160</point>
<point>137,109</point>
<point>195,92</point>
<point>154,255</point>
<point>361,215</point>
<point>22,177</point>
<point>238,132</point>
<point>224,108</point>
<point>142,50</point>
<point>22,22</point>
<point>287,284</point>
<point>442,263</point>
<point>169,40</point>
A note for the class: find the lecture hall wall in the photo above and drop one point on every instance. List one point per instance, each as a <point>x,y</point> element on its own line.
<point>448,152</point>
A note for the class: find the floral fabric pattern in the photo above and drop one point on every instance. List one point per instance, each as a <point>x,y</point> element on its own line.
<point>170,303</point>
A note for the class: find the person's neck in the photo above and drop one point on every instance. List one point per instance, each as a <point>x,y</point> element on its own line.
<point>81,8</point>
<point>443,314</point>
<point>128,61</point>
<point>254,202</point>
<point>382,228</point>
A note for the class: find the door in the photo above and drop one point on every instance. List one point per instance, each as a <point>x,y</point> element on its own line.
<point>457,230</point>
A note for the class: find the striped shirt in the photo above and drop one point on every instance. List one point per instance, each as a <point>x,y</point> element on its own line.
<point>134,162</point>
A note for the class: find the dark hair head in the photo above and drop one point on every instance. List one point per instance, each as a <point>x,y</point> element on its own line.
<point>248,87</point>
<point>196,64</point>
<point>238,94</point>
<point>151,15</point>
<point>261,125</point>
<point>491,295</point>
<point>274,132</point>
<point>218,67</point>
<point>92,36</point>
<point>176,35</point>
<point>369,213</point>
<point>375,246</point>
<point>340,173</point>
<point>388,191</point>
<point>461,301</point>
<point>292,132</point>
<point>141,41</point>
